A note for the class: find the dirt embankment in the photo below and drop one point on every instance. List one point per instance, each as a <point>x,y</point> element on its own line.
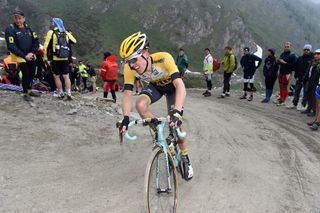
<point>59,156</point>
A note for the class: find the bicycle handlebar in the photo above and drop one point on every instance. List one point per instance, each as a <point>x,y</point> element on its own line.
<point>145,122</point>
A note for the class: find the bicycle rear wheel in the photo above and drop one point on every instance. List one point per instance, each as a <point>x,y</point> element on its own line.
<point>161,191</point>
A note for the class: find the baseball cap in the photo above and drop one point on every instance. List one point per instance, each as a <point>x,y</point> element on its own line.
<point>18,12</point>
<point>317,51</point>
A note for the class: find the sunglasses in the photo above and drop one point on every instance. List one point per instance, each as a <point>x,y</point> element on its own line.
<point>306,50</point>
<point>132,60</point>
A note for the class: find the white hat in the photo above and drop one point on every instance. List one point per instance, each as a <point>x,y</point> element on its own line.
<point>317,51</point>
<point>307,47</point>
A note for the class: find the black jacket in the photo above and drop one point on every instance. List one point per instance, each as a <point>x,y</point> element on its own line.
<point>21,41</point>
<point>248,63</point>
<point>291,59</point>
<point>312,76</point>
<point>270,68</point>
<point>303,65</point>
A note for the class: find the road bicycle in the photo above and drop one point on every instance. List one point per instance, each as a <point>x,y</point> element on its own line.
<point>161,176</point>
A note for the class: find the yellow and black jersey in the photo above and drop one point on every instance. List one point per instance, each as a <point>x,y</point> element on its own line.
<point>164,71</point>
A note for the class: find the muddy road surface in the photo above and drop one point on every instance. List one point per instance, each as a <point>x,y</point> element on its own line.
<point>58,156</point>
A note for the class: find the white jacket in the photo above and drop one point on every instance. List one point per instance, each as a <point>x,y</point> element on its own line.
<point>208,64</point>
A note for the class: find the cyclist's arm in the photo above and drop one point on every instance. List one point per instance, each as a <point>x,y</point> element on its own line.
<point>180,93</point>
<point>129,77</point>
<point>126,102</point>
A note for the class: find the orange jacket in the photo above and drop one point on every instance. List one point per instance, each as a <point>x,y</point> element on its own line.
<point>8,60</point>
<point>109,69</point>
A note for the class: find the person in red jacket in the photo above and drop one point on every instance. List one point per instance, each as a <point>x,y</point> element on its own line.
<point>109,74</point>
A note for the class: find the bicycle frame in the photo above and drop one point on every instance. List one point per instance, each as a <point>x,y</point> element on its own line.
<point>162,143</point>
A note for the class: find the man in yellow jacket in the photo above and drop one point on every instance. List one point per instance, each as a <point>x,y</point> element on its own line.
<point>228,66</point>
<point>57,49</point>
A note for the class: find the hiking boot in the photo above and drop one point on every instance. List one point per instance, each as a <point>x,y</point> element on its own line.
<point>228,94</point>
<point>277,101</point>
<point>69,98</point>
<point>311,123</point>
<point>243,97</point>
<point>222,95</point>
<point>55,94</point>
<point>34,94</point>
<point>186,167</point>
<point>280,104</point>
<point>315,126</point>
<point>27,97</point>
<point>311,114</point>
<point>301,108</point>
<point>265,101</point>
<point>61,95</point>
<point>250,98</point>
<point>291,106</point>
<point>207,94</point>
<point>305,111</point>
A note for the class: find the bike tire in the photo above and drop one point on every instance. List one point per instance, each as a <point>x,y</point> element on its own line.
<point>164,201</point>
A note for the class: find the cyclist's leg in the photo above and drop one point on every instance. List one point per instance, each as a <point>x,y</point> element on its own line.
<point>188,170</point>
<point>148,96</point>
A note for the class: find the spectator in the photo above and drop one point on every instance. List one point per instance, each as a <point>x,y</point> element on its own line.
<point>270,72</point>
<point>92,78</point>
<point>10,71</point>
<point>22,43</point>
<point>287,63</point>
<point>109,74</point>
<point>40,65</point>
<point>84,75</point>
<point>311,82</point>
<point>248,63</point>
<point>57,40</point>
<point>208,69</point>
<point>182,62</point>
<point>316,66</point>
<point>228,66</point>
<point>303,64</point>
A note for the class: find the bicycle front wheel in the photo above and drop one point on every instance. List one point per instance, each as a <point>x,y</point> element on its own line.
<point>161,183</point>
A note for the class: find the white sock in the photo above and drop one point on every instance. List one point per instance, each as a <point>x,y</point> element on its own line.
<point>69,92</point>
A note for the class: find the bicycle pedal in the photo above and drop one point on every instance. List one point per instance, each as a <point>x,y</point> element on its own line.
<point>160,191</point>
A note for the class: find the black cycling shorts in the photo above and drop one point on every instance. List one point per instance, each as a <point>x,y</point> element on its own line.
<point>155,93</point>
<point>60,67</point>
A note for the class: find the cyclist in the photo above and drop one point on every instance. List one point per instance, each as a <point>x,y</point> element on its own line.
<point>160,71</point>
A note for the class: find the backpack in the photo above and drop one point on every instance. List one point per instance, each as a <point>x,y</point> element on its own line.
<point>91,71</point>
<point>12,70</point>
<point>216,64</point>
<point>62,49</point>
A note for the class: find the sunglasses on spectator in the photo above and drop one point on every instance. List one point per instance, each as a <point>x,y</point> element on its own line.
<point>306,50</point>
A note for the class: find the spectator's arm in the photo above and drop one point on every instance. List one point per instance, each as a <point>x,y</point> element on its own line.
<point>259,61</point>
<point>232,63</point>
<point>46,44</point>
<point>35,41</point>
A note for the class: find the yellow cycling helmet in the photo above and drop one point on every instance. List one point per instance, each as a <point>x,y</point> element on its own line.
<point>133,45</point>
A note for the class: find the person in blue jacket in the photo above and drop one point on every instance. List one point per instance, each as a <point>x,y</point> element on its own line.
<point>248,63</point>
